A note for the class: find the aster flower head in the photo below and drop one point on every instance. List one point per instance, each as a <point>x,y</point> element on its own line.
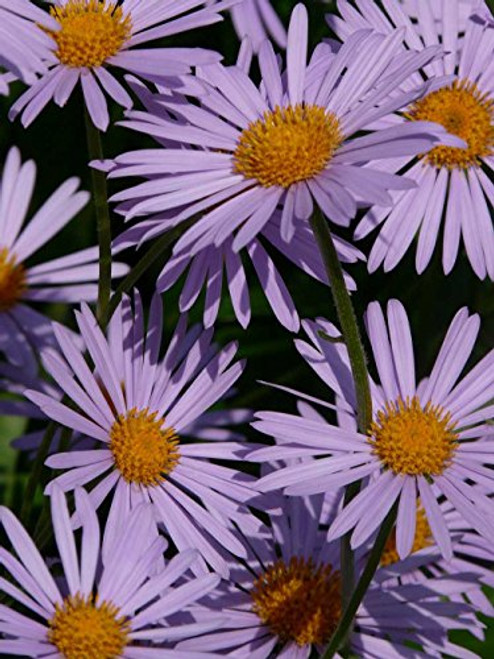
<point>211,265</point>
<point>150,417</point>
<point>93,36</point>
<point>24,48</point>
<point>100,608</point>
<point>286,145</point>
<point>64,279</point>
<point>451,182</point>
<point>427,440</point>
<point>286,600</point>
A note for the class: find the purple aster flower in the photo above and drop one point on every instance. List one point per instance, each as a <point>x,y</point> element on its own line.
<point>456,182</point>
<point>207,268</point>
<point>285,601</point>
<point>63,279</point>
<point>25,50</point>
<point>92,36</point>
<point>150,419</point>
<point>286,145</point>
<point>428,440</point>
<point>117,610</point>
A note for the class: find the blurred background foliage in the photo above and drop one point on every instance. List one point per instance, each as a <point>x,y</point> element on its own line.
<point>56,141</point>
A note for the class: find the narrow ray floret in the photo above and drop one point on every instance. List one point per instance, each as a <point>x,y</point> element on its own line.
<point>150,416</point>
<point>90,37</point>
<point>288,144</point>
<point>427,440</point>
<point>258,20</point>
<point>454,187</point>
<point>286,600</point>
<point>207,268</point>
<point>24,48</point>
<point>65,279</point>
<point>109,601</point>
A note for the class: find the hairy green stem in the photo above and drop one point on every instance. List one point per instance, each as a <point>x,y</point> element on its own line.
<point>35,475</point>
<point>100,200</point>
<point>347,319</point>
<point>351,337</point>
<point>363,584</point>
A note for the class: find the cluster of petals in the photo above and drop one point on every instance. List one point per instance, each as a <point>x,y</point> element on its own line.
<point>113,571</point>
<point>462,194</point>
<point>472,556</point>
<point>257,20</point>
<point>137,23</point>
<point>353,86</point>
<point>68,279</point>
<point>129,378</point>
<point>194,170</point>
<point>346,455</point>
<point>19,21</point>
<point>391,614</point>
<point>168,544</point>
<point>207,268</point>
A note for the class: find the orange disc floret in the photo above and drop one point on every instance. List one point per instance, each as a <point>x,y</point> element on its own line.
<point>84,629</point>
<point>143,448</point>
<point>90,32</point>
<point>288,145</point>
<point>413,440</point>
<point>464,111</point>
<point>299,601</point>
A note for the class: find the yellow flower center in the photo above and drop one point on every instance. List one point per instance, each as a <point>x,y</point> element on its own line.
<point>422,539</point>
<point>298,601</point>
<point>90,32</point>
<point>82,629</point>
<point>464,111</point>
<point>12,280</point>
<point>288,145</point>
<point>413,440</point>
<point>144,451</point>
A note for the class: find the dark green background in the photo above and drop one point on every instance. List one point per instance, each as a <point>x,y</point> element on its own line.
<point>57,142</point>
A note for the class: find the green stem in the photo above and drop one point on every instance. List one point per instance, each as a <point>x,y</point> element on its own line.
<point>371,566</point>
<point>155,251</point>
<point>347,563</point>
<point>100,199</point>
<point>347,319</point>
<point>351,337</point>
<point>35,475</point>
